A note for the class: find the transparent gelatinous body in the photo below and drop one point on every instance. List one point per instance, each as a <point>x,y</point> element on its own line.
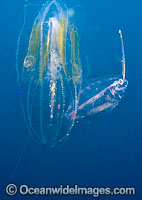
<point>49,72</point>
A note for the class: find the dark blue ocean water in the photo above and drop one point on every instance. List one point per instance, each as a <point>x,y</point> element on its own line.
<point>105,153</point>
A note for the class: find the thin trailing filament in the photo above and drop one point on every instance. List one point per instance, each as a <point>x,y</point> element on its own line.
<point>123,55</point>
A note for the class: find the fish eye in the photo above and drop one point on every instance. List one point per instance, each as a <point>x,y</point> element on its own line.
<point>121,81</point>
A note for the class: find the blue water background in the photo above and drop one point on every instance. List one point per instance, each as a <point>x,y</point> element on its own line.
<point>105,153</point>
